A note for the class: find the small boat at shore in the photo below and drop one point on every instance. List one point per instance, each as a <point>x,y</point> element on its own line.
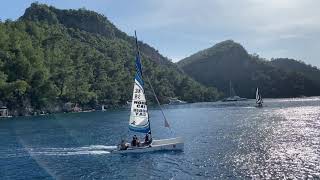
<point>176,101</point>
<point>139,120</point>
<point>4,113</point>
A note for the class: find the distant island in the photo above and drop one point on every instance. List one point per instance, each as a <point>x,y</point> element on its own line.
<point>54,60</point>
<point>229,61</point>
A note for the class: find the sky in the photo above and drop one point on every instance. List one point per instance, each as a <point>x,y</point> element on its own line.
<point>179,28</point>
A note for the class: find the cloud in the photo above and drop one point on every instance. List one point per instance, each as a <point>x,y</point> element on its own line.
<point>265,27</point>
<point>271,28</point>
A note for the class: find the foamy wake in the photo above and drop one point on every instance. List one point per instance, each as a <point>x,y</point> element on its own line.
<point>85,150</point>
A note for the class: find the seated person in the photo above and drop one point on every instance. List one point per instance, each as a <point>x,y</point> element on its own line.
<point>134,141</point>
<point>123,145</point>
<point>146,140</point>
<point>138,142</point>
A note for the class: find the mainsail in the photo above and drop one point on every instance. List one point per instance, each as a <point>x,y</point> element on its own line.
<point>139,117</point>
<point>258,97</point>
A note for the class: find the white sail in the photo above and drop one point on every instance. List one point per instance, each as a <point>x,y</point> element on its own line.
<point>258,97</point>
<point>139,118</point>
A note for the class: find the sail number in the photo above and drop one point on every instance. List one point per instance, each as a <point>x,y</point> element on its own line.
<point>140,108</point>
<point>137,90</point>
<point>137,93</point>
<point>139,102</point>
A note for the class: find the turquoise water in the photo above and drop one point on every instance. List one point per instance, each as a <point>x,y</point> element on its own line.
<point>222,140</point>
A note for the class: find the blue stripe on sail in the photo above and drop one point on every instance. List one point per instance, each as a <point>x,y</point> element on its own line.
<point>138,65</point>
<point>138,75</point>
<point>138,71</point>
<point>139,129</point>
<point>139,79</point>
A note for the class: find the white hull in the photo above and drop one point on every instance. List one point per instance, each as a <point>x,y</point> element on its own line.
<point>173,144</point>
<point>234,98</point>
<point>175,101</point>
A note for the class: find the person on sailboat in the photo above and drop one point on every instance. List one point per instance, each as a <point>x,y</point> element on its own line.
<point>146,139</point>
<point>123,145</point>
<point>137,142</point>
<point>134,141</point>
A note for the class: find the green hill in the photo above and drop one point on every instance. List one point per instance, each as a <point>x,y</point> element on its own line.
<point>291,65</point>
<point>50,56</point>
<point>229,61</point>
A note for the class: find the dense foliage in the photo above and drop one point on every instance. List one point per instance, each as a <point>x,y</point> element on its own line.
<point>229,61</point>
<point>49,57</point>
<point>291,65</point>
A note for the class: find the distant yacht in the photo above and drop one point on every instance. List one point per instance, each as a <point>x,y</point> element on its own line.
<point>233,96</point>
<point>259,100</point>
<point>176,101</point>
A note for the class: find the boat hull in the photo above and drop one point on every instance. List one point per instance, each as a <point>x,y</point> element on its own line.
<point>173,144</point>
<point>234,98</point>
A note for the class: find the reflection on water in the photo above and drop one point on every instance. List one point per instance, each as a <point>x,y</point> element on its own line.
<point>285,145</point>
<point>222,140</point>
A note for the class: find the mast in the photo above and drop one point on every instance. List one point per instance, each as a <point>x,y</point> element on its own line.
<point>230,89</point>
<point>232,92</point>
<point>138,54</point>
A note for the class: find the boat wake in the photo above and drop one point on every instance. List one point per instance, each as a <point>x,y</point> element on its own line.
<point>85,150</point>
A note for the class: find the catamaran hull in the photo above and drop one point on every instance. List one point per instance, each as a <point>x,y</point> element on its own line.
<point>259,106</point>
<point>173,144</point>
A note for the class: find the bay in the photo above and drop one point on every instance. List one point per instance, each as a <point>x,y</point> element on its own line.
<point>222,141</point>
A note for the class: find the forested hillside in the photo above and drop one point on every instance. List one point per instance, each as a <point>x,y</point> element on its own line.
<point>49,57</point>
<point>291,65</point>
<point>229,61</point>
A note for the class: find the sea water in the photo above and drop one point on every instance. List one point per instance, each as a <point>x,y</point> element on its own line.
<point>222,141</point>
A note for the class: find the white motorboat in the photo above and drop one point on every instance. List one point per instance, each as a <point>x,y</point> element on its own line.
<point>139,119</point>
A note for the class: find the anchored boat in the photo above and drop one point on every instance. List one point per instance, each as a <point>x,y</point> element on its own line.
<point>233,96</point>
<point>176,101</point>
<point>139,120</point>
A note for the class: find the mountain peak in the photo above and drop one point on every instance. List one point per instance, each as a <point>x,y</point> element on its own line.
<point>39,12</point>
<point>221,49</point>
<point>81,19</point>
<point>85,20</point>
<point>229,61</point>
<point>227,46</point>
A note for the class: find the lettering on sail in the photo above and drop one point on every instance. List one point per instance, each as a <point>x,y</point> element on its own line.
<point>139,103</point>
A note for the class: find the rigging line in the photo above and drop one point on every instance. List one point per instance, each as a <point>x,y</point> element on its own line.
<point>164,116</point>
<point>166,122</point>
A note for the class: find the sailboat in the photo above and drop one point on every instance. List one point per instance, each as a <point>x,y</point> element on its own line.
<point>259,100</point>
<point>232,95</point>
<point>139,120</point>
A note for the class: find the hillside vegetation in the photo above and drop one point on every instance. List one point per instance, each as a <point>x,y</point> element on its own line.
<point>49,57</point>
<point>229,61</point>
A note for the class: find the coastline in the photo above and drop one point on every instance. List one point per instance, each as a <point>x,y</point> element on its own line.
<point>152,106</point>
